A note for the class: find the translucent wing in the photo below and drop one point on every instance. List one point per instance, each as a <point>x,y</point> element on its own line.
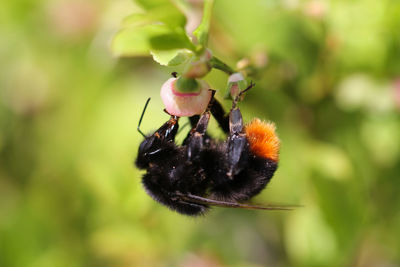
<point>226,204</point>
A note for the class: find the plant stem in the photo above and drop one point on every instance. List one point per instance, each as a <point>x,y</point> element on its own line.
<point>202,31</point>
<point>218,64</point>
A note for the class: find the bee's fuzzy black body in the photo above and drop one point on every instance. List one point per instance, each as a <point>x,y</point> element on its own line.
<point>203,172</point>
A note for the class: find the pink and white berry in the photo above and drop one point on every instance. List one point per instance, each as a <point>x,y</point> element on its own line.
<point>185,104</point>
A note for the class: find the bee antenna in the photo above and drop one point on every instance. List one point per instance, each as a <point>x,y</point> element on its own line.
<point>141,117</point>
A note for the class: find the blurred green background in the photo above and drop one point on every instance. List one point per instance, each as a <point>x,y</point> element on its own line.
<point>330,79</point>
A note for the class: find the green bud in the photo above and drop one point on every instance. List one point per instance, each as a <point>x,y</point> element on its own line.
<point>187,85</point>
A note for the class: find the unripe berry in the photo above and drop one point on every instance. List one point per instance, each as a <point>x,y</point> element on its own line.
<point>236,83</point>
<point>183,104</point>
<point>199,68</point>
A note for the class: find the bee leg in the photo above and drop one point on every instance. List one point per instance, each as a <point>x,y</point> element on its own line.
<point>238,146</point>
<point>169,129</point>
<point>196,138</point>
<point>217,110</point>
<point>219,114</point>
<point>194,120</point>
<point>237,154</point>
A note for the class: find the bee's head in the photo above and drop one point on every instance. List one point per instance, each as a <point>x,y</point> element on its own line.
<point>157,146</point>
<point>148,149</point>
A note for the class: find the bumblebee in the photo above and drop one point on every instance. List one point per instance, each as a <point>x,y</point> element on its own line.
<point>204,172</point>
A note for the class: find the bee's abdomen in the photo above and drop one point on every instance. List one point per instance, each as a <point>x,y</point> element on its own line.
<point>263,139</point>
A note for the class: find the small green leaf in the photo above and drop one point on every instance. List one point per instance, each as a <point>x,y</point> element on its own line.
<point>134,41</point>
<point>169,16</point>
<point>163,11</point>
<point>150,4</point>
<point>131,42</point>
<point>171,40</point>
<point>136,20</point>
<point>171,57</point>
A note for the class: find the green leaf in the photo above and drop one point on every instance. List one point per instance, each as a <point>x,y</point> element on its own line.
<point>169,16</point>
<point>150,4</point>
<point>171,40</point>
<point>131,42</point>
<point>136,19</point>
<point>171,57</point>
<point>162,11</point>
<point>139,40</point>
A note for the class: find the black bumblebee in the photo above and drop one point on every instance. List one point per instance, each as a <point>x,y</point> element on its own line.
<point>204,172</point>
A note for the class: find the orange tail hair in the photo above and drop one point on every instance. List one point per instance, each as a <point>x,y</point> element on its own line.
<point>263,139</point>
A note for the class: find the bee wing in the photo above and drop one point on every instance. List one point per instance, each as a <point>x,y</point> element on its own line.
<point>226,204</point>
